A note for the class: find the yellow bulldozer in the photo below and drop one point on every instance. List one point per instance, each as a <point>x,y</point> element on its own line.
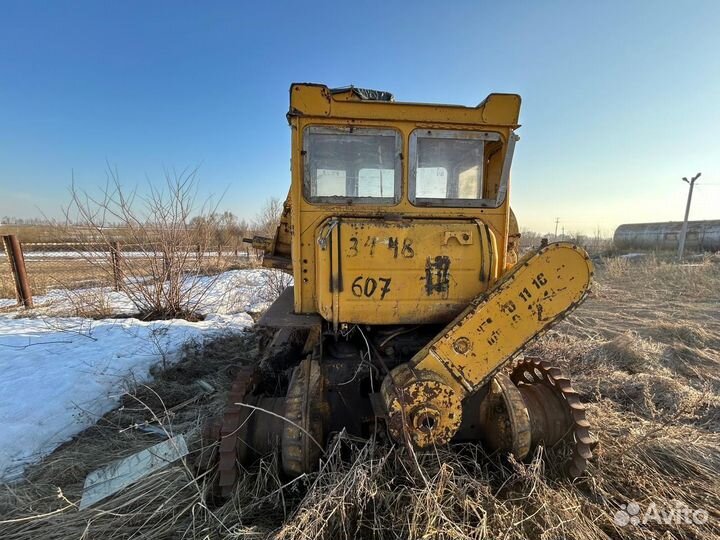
<point>411,305</point>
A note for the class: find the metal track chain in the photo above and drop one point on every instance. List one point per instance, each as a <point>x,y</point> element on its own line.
<point>231,429</point>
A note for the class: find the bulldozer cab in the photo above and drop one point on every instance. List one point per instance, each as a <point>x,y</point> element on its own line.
<point>398,213</point>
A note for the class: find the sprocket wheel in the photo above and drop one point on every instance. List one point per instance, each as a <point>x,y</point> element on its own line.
<point>538,380</point>
<point>231,429</point>
<point>307,410</point>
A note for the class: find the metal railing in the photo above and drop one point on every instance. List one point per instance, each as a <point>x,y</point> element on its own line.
<point>39,267</point>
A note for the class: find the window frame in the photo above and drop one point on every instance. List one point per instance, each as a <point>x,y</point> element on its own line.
<point>429,133</point>
<point>325,129</point>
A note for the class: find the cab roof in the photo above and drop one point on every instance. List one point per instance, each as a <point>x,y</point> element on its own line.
<point>352,103</point>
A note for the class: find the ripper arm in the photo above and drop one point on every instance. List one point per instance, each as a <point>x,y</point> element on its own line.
<point>424,396</point>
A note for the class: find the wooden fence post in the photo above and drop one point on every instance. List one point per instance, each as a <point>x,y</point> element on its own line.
<point>116,255</point>
<point>17,264</point>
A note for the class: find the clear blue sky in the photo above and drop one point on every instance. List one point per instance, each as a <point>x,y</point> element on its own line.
<point>620,99</point>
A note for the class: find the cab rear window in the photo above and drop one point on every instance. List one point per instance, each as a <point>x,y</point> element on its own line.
<point>352,165</point>
<point>448,167</point>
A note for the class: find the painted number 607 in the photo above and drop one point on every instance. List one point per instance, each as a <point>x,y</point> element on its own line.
<point>367,287</point>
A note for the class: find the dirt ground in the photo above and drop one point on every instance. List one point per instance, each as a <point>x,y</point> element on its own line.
<point>643,351</point>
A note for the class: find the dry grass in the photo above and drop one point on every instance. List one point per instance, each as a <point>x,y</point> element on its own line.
<point>56,483</point>
<point>644,353</point>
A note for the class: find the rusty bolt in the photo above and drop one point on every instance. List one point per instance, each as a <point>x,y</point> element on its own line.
<point>462,345</point>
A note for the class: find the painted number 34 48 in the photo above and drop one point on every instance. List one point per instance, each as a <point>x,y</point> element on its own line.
<point>371,287</point>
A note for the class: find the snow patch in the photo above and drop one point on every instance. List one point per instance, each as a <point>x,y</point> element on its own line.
<point>59,375</point>
<point>234,291</point>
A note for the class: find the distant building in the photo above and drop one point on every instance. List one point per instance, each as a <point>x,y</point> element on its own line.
<point>701,235</point>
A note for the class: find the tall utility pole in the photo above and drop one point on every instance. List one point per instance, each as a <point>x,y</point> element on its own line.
<point>683,231</point>
<point>557,220</point>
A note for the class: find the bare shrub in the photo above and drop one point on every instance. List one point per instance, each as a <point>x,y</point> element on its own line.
<point>224,231</point>
<point>530,239</point>
<point>91,303</point>
<point>274,282</point>
<point>167,228</point>
<point>268,217</point>
<point>266,223</point>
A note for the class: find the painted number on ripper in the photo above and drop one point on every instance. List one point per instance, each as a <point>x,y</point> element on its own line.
<point>510,308</point>
<point>368,287</point>
<point>538,281</point>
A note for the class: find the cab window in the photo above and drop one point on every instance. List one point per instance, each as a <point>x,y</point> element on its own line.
<point>447,167</point>
<point>357,165</point>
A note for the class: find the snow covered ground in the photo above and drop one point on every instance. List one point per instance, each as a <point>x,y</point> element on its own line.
<point>58,375</point>
<point>230,292</point>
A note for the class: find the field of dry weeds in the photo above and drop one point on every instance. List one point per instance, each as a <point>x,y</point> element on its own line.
<point>644,352</point>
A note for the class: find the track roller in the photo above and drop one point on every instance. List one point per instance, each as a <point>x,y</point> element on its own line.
<point>255,425</point>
